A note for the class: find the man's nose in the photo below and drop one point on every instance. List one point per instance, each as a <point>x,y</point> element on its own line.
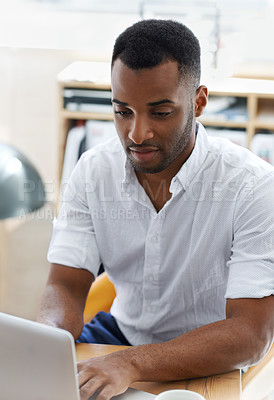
<point>140,130</point>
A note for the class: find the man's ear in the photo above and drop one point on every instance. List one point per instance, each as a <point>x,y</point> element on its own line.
<point>200,100</point>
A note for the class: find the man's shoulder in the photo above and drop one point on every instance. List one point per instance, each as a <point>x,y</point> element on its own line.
<point>238,159</point>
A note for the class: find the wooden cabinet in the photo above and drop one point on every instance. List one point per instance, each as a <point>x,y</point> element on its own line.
<point>256,95</point>
<point>250,102</point>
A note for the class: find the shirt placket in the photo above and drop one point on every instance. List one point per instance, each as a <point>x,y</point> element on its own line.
<point>152,257</point>
<point>152,264</point>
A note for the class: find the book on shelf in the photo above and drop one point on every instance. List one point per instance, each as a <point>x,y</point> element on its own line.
<point>262,145</point>
<point>87,100</point>
<point>221,108</point>
<point>83,138</point>
<point>238,137</point>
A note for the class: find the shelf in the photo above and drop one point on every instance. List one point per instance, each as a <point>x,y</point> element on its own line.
<point>84,85</point>
<point>252,110</point>
<point>265,113</point>
<point>222,123</point>
<point>260,124</point>
<point>86,74</point>
<point>85,115</point>
<point>240,87</point>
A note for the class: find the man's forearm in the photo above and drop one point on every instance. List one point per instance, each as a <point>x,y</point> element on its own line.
<point>211,349</point>
<point>204,351</point>
<point>63,301</point>
<point>58,309</point>
<point>240,340</point>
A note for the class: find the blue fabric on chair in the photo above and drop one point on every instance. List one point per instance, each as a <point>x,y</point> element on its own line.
<point>103,329</point>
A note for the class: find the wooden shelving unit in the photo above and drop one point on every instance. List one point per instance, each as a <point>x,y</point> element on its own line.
<point>258,95</point>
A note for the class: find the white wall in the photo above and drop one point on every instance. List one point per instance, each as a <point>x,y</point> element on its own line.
<point>28,87</point>
<point>29,121</point>
<point>28,103</point>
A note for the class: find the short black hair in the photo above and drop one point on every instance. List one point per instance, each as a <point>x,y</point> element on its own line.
<point>151,42</point>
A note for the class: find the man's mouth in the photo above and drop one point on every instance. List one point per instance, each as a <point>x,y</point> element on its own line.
<point>143,154</point>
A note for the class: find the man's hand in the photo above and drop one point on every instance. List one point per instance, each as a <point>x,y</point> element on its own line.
<point>108,376</point>
<point>240,340</point>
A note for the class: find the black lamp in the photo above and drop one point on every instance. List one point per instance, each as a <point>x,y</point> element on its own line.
<point>21,187</point>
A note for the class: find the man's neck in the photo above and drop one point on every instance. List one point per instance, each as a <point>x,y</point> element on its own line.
<point>157,185</point>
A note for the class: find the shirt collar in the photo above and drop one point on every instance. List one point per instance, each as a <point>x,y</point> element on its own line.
<point>128,174</point>
<point>188,170</point>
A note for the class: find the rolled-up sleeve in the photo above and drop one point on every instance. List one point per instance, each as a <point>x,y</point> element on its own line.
<point>251,266</point>
<point>73,241</point>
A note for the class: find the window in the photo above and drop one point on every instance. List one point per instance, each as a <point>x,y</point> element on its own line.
<point>235,34</point>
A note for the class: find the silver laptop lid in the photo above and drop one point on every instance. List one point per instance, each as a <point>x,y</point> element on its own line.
<point>37,362</point>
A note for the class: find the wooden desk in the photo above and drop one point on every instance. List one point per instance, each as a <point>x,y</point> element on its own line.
<point>218,387</point>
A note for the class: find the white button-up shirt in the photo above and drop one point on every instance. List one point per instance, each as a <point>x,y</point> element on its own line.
<point>172,270</point>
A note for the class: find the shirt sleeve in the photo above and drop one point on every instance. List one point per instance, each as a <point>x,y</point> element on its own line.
<point>73,241</point>
<point>251,266</point>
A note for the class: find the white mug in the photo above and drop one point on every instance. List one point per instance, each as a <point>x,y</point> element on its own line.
<point>179,395</point>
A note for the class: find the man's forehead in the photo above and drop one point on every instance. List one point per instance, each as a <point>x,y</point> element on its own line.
<point>156,84</point>
<point>149,104</point>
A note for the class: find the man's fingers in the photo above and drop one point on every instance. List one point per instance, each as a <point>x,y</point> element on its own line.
<point>107,393</point>
<point>86,373</point>
<point>83,377</point>
<point>89,388</point>
<point>107,376</point>
<point>80,365</point>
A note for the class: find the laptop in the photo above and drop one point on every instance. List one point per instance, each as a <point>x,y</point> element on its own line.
<point>38,362</point>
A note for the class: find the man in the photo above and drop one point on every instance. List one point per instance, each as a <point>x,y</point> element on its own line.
<point>182,223</point>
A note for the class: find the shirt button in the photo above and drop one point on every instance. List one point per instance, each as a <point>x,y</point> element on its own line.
<point>155,239</point>
<point>150,278</point>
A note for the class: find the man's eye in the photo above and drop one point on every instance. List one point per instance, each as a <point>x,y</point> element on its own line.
<point>122,113</point>
<point>161,114</point>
